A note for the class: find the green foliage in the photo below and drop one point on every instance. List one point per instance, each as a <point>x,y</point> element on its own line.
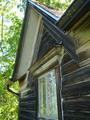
<point>23,4</point>
<point>57,4</point>
<point>10,25</point>
<point>8,103</point>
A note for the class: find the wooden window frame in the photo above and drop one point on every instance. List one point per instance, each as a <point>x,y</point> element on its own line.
<point>52,60</point>
<point>56,91</point>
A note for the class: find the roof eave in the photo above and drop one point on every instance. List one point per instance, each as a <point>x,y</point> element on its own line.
<point>45,13</point>
<point>76,10</point>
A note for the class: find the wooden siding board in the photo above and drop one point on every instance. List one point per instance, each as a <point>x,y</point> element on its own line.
<point>76,89</point>
<point>27,98</point>
<point>77,115</point>
<point>47,43</point>
<point>28,102</point>
<point>76,76</point>
<point>22,117</point>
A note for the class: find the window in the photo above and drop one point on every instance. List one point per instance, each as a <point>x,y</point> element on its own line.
<point>48,96</point>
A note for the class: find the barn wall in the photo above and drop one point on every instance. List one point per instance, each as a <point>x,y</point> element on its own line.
<point>76,78</point>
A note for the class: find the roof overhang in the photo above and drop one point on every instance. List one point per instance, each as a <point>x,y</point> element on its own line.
<point>33,16</point>
<point>75,12</point>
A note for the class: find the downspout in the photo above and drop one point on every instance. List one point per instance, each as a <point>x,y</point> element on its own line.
<point>8,84</point>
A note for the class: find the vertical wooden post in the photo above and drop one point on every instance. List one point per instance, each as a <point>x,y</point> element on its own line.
<point>37,93</point>
<point>59,94</point>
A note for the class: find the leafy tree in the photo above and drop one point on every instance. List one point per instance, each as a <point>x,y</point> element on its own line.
<point>10,25</point>
<point>57,4</point>
<point>22,5</point>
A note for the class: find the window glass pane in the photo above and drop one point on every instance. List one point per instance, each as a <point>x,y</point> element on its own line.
<point>47,96</point>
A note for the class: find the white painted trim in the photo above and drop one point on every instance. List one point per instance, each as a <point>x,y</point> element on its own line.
<point>46,65</point>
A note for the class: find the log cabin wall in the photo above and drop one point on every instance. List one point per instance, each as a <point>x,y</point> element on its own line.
<point>76,78</point>
<point>76,83</point>
<point>28,99</point>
